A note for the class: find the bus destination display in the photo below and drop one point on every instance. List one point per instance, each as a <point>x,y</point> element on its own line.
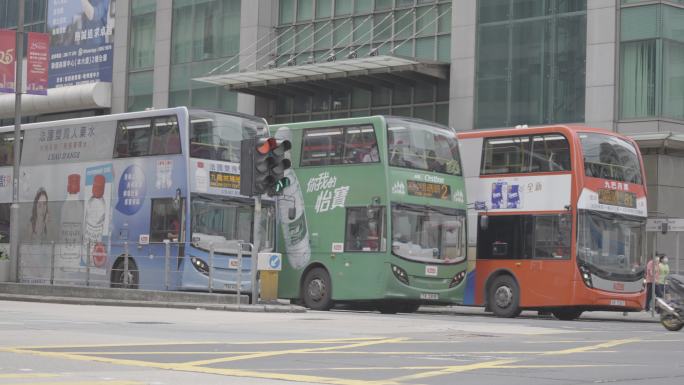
<point>224,180</point>
<point>617,198</point>
<point>429,190</point>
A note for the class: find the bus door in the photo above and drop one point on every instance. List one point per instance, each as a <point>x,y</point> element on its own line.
<point>168,223</point>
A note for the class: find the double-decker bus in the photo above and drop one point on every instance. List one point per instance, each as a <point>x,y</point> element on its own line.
<point>557,220</point>
<point>99,196</point>
<point>375,213</point>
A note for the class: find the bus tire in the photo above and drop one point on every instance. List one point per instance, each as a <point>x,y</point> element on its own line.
<point>119,279</point>
<point>317,289</point>
<point>504,297</point>
<point>567,314</point>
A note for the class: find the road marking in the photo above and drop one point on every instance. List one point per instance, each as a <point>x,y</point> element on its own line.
<point>371,368</point>
<point>292,351</point>
<point>585,349</point>
<point>454,369</point>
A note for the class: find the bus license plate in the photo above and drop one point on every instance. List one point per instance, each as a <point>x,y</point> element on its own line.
<point>429,296</point>
<point>617,302</point>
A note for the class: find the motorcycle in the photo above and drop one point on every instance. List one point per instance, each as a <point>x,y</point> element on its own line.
<point>671,305</point>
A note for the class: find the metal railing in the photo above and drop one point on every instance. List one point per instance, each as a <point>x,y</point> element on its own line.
<point>121,265</point>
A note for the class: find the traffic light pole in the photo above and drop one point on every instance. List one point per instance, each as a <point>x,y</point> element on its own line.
<point>255,249</point>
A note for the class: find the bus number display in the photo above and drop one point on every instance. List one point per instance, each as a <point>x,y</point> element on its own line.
<point>224,180</point>
<point>617,198</point>
<point>429,190</point>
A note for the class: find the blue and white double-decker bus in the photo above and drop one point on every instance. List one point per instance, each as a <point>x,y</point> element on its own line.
<point>142,200</point>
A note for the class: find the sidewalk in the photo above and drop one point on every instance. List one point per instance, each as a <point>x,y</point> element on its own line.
<point>588,315</point>
<point>80,295</point>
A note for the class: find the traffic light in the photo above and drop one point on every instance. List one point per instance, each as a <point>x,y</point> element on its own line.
<point>262,166</point>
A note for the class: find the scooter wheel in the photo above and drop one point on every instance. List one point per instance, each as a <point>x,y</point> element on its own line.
<point>671,322</point>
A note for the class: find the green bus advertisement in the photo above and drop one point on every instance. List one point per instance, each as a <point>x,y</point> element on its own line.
<point>375,214</point>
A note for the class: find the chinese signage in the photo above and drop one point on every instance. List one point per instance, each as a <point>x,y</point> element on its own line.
<point>37,63</point>
<point>617,198</point>
<point>329,195</point>
<point>224,180</point>
<point>429,190</point>
<point>69,144</point>
<point>82,36</point>
<point>7,65</point>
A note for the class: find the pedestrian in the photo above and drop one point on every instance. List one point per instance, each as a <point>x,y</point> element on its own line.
<point>663,272</point>
<point>651,278</point>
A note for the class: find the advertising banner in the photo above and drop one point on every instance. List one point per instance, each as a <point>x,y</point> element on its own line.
<point>7,56</point>
<point>37,63</point>
<point>82,37</point>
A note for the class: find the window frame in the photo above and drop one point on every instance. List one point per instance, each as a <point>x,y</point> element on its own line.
<point>526,167</point>
<point>181,227</point>
<point>342,159</point>
<point>152,135</point>
<point>523,228</point>
<point>382,233</point>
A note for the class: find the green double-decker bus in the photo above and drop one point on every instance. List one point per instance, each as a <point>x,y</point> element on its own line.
<point>375,214</point>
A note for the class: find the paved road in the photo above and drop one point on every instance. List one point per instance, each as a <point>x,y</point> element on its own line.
<point>48,344</point>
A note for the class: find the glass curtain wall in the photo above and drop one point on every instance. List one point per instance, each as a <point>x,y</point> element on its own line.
<point>34,15</point>
<point>652,61</point>
<point>141,54</point>
<point>205,35</point>
<point>531,62</point>
<point>318,30</point>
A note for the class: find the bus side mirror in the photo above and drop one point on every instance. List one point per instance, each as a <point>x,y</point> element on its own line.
<point>291,213</point>
<point>484,222</point>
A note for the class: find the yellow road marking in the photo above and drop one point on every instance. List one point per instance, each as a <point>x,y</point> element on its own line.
<point>292,351</point>
<point>27,375</point>
<point>198,369</point>
<point>585,349</point>
<point>453,369</point>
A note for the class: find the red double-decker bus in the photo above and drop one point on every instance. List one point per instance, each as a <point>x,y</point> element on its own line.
<point>557,220</point>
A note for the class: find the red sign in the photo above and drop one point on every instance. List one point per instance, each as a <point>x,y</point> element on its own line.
<point>8,42</point>
<point>619,286</point>
<point>37,63</point>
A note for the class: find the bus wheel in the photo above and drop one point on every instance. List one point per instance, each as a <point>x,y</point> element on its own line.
<point>504,297</point>
<point>123,279</point>
<point>409,308</point>
<point>567,314</point>
<point>316,289</point>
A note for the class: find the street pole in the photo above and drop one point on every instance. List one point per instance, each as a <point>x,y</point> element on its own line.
<point>14,209</point>
<point>255,249</point>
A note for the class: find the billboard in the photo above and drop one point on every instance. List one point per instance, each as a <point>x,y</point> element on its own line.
<point>81,41</point>
<point>7,64</point>
<point>37,63</point>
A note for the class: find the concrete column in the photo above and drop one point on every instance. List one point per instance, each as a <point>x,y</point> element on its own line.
<point>162,54</point>
<point>463,48</point>
<point>120,60</point>
<point>257,19</point>
<point>602,64</point>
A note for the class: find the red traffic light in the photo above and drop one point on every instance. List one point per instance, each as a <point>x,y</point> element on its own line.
<point>278,147</point>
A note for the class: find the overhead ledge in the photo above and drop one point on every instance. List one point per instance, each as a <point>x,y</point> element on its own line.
<point>63,99</point>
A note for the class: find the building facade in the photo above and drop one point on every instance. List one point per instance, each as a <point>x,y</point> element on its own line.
<point>471,64</point>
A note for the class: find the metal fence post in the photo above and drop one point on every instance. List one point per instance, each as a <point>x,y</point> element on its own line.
<point>87,261</point>
<point>52,264</point>
<point>124,280</point>
<point>211,266</point>
<point>238,283</point>
<point>167,255</point>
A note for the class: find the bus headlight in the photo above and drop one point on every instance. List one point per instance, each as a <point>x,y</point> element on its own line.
<point>586,276</point>
<point>458,278</point>
<point>400,274</point>
<point>200,265</point>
